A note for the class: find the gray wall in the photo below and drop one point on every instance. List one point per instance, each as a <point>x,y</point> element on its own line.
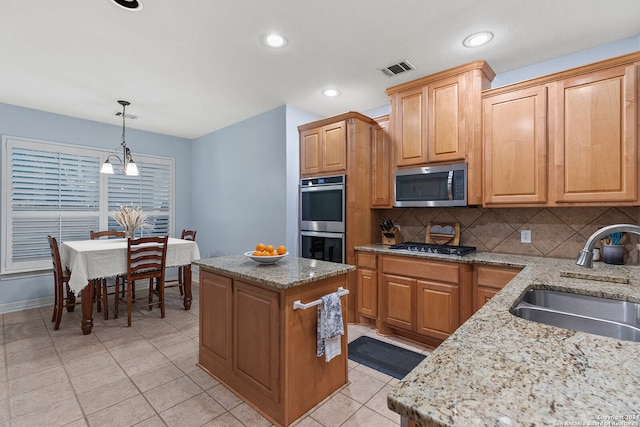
<point>577,59</point>
<point>246,187</point>
<point>35,289</point>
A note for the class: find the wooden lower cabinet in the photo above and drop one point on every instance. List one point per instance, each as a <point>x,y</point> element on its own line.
<point>438,309</point>
<point>488,281</point>
<point>427,298</point>
<point>367,294</point>
<point>399,301</point>
<point>253,341</point>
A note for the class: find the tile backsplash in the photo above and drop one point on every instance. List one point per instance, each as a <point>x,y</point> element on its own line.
<point>555,232</point>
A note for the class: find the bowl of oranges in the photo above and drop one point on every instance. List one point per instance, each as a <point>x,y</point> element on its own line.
<point>267,254</point>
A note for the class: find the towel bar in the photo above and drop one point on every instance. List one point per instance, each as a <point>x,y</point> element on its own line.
<point>297,304</point>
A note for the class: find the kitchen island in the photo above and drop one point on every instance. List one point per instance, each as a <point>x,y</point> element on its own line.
<point>255,342</point>
<point>500,370</point>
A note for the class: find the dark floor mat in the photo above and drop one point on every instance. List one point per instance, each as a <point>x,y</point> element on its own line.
<point>384,357</point>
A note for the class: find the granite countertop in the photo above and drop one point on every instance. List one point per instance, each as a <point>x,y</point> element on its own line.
<point>500,370</point>
<point>286,273</point>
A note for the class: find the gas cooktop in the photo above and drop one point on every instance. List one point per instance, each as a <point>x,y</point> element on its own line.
<point>430,248</point>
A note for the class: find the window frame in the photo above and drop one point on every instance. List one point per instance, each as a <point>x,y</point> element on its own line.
<point>7,212</point>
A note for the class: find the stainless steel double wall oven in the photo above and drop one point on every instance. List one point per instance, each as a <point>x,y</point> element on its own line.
<point>322,218</point>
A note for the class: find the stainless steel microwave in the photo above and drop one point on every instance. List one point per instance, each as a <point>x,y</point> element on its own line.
<point>431,186</point>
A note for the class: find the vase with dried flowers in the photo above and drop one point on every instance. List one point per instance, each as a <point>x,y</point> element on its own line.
<point>130,218</point>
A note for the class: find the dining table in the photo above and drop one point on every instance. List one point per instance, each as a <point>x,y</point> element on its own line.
<point>89,260</point>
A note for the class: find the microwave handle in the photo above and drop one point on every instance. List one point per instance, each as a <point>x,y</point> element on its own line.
<point>450,185</point>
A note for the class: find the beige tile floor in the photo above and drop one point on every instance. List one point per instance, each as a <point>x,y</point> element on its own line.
<point>146,375</point>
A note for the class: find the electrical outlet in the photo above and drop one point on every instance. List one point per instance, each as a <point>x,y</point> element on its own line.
<point>525,236</point>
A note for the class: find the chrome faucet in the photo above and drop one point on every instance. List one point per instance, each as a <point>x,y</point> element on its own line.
<point>585,256</point>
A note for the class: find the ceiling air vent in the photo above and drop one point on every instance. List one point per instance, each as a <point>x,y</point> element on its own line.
<point>399,68</point>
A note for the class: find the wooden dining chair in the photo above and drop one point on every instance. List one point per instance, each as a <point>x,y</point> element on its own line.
<point>63,296</point>
<point>101,286</point>
<point>146,259</point>
<point>179,282</point>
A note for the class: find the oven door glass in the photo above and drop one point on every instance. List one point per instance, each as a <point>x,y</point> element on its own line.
<point>323,246</point>
<point>322,208</point>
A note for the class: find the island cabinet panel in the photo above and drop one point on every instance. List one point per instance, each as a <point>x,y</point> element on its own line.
<point>253,341</point>
<point>215,343</point>
<point>257,338</point>
<point>515,147</point>
<point>309,379</point>
<point>594,123</point>
<point>488,281</point>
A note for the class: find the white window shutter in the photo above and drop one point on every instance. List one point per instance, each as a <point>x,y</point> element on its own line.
<point>56,189</point>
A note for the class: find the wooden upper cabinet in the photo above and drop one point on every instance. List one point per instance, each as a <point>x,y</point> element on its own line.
<point>515,147</point>
<point>409,109</point>
<point>310,151</point>
<point>323,149</point>
<point>565,139</point>
<point>334,147</point>
<point>594,121</point>
<point>437,118</point>
<point>381,159</point>
<point>447,132</point>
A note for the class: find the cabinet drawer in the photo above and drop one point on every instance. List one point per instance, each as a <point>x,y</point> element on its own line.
<point>422,269</point>
<point>366,260</point>
<point>493,277</point>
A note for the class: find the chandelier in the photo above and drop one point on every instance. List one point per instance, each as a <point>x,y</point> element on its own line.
<point>128,166</point>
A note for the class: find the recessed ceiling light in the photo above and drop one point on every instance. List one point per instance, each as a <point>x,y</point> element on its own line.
<point>331,92</point>
<point>129,4</point>
<point>275,40</point>
<point>478,39</point>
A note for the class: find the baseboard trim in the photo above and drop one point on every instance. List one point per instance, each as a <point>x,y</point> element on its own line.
<point>45,301</point>
<point>25,305</point>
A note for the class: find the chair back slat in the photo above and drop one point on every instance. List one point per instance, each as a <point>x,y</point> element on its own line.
<point>55,257</point>
<point>188,235</point>
<point>146,258</point>
<point>107,234</point>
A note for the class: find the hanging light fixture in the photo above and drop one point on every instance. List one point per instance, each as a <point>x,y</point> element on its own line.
<point>128,165</point>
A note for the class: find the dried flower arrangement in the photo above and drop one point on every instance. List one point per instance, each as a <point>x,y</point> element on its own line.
<point>131,219</point>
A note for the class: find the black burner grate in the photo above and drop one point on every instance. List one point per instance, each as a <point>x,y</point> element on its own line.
<point>433,248</point>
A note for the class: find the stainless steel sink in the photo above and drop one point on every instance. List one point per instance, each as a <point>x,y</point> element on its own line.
<point>594,315</point>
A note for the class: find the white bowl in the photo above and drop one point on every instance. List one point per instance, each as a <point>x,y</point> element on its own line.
<point>265,259</point>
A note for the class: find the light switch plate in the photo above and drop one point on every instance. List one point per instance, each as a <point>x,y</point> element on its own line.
<point>525,236</point>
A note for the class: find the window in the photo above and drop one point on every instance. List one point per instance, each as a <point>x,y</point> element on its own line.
<point>56,189</point>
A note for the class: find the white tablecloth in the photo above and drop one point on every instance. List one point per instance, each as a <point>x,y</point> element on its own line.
<point>94,259</point>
